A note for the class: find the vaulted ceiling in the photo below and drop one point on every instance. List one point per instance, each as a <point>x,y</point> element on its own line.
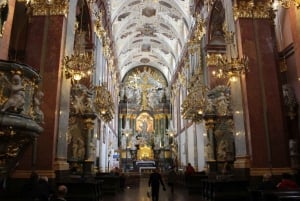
<point>150,33</point>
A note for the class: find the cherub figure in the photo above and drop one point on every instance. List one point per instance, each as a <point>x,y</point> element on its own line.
<point>16,100</point>
<point>37,112</point>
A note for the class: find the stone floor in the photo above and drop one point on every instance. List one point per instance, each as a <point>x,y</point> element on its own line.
<point>139,193</point>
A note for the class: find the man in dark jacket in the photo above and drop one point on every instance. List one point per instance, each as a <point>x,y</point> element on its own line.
<point>155,180</point>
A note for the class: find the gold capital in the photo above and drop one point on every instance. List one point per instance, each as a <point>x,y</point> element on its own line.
<point>249,9</point>
<point>48,7</point>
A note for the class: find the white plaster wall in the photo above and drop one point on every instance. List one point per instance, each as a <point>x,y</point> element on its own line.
<point>190,146</point>
<point>200,130</point>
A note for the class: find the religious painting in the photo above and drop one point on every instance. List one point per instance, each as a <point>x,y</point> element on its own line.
<point>144,123</point>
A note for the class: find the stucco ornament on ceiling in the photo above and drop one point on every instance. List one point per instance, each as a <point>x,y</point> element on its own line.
<point>150,29</point>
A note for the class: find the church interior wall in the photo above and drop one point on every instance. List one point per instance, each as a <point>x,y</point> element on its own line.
<point>190,136</point>
<point>201,141</point>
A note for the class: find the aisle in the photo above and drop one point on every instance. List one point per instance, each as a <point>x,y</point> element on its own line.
<point>139,193</point>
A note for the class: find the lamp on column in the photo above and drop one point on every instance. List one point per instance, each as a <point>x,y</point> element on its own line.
<point>103,103</point>
<point>80,64</point>
<point>126,131</point>
<point>194,105</point>
<point>230,66</point>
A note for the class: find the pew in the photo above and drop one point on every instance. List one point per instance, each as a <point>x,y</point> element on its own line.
<point>225,189</point>
<point>79,191</point>
<point>110,184</point>
<point>194,184</point>
<point>275,195</point>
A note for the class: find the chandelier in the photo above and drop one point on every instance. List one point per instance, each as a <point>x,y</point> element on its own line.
<point>171,131</point>
<point>103,103</point>
<point>127,130</point>
<point>194,105</point>
<point>80,64</point>
<point>231,68</point>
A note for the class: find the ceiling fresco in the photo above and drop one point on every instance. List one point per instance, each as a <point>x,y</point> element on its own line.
<point>150,32</point>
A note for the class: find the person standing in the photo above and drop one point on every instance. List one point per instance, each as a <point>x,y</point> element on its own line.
<point>172,179</point>
<point>189,171</point>
<point>154,182</point>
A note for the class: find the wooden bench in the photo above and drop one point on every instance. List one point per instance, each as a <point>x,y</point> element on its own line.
<point>110,184</point>
<point>275,195</point>
<point>225,189</point>
<point>85,190</point>
<point>194,184</point>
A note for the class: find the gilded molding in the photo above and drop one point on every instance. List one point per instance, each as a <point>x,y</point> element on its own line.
<point>213,59</point>
<point>275,171</point>
<point>247,9</point>
<point>48,7</point>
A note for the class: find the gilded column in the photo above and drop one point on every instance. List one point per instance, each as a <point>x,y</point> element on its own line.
<point>261,88</point>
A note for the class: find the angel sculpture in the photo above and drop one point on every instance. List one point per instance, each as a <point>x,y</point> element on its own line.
<point>16,99</point>
<point>37,112</point>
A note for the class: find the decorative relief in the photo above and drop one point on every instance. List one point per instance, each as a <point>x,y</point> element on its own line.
<point>290,101</point>
<point>42,7</point>
<point>19,126</point>
<point>213,59</point>
<point>259,10</point>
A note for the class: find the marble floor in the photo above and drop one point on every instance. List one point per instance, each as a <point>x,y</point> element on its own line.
<point>139,193</point>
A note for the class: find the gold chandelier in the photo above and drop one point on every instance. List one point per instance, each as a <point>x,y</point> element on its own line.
<point>231,68</point>
<point>194,105</point>
<point>103,103</point>
<point>80,64</point>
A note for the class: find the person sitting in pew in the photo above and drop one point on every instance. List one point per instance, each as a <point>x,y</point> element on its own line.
<point>287,182</point>
<point>267,183</point>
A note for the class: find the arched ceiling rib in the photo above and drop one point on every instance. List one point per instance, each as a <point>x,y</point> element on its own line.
<point>149,32</point>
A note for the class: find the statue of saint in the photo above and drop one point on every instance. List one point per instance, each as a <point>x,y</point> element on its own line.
<point>78,149</point>
<point>16,99</point>
<point>144,127</point>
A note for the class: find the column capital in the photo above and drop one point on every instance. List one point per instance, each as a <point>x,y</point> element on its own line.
<point>249,9</point>
<point>47,7</point>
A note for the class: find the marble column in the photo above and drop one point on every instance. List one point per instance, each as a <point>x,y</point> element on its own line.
<point>241,154</point>
<point>261,88</point>
<point>195,146</point>
<point>44,50</point>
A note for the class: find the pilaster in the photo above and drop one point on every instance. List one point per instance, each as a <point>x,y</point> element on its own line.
<point>265,123</point>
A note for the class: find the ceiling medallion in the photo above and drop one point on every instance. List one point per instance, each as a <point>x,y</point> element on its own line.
<point>145,60</point>
<point>149,12</point>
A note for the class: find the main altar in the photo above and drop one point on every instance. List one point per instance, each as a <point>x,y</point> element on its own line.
<point>144,118</point>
